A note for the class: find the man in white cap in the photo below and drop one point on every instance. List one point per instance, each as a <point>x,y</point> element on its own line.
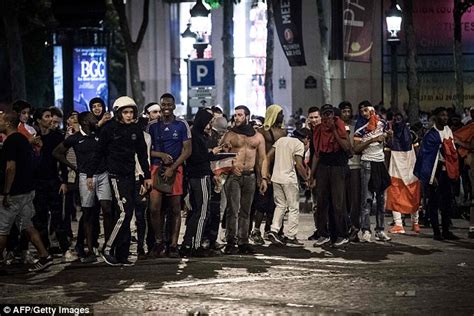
<point>119,141</point>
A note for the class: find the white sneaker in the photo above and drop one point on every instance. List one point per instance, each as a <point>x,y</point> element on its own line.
<point>381,236</point>
<point>366,236</point>
<point>69,256</point>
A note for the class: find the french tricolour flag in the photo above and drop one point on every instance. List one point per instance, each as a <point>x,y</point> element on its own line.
<point>403,195</point>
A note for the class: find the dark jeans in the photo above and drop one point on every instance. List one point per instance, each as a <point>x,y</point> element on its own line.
<point>353,197</point>
<point>367,200</point>
<point>123,195</point>
<point>212,225</point>
<point>48,203</point>
<point>199,196</point>
<point>141,204</point>
<point>440,198</point>
<point>239,193</point>
<point>330,191</point>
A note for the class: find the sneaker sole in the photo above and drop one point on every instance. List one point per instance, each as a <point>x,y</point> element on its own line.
<point>320,244</point>
<point>48,264</point>
<point>110,263</point>
<point>275,241</point>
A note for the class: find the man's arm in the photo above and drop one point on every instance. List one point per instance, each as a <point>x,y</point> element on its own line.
<point>343,142</point>
<point>266,164</point>
<point>60,153</point>
<point>142,155</point>
<point>10,172</point>
<point>360,146</point>
<point>300,167</point>
<point>261,151</point>
<point>185,153</point>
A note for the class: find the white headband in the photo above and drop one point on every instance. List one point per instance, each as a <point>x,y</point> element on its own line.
<point>154,107</point>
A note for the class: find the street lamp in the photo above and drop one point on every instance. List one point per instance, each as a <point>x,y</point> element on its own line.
<point>394,22</point>
<point>200,22</point>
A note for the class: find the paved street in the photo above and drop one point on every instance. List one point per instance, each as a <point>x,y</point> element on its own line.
<point>410,275</point>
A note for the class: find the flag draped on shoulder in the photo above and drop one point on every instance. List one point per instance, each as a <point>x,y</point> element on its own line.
<point>403,194</point>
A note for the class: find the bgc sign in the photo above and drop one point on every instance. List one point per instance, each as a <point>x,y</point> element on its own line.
<point>92,69</point>
<point>90,76</point>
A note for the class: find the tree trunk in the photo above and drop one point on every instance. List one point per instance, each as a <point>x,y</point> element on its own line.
<point>269,55</point>
<point>132,48</point>
<point>228,47</point>
<point>137,92</point>
<point>413,85</point>
<point>15,49</point>
<point>323,38</point>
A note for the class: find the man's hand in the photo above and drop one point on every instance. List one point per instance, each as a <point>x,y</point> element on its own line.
<point>263,186</point>
<point>216,150</point>
<point>148,184</point>
<point>63,189</point>
<point>90,184</point>
<point>167,159</point>
<point>331,125</point>
<point>379,139</point>
<point>107,116</point>
<point>36,140</point>
<point>6,201</point>
<point>168,173</point>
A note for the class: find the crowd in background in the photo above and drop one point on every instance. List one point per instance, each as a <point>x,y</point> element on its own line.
<point>229,178</point>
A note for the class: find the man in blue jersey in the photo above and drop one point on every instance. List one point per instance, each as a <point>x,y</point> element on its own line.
<point>170,147</point>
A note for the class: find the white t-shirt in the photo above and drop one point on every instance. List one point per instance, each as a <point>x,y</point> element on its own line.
<point>284,168</point>
<point>373,152</point>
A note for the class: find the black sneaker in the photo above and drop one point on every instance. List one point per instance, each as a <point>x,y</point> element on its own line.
<point>185,251</point>
<point>450,236</point>
<point>321,241</point>
<point>42,264</point>
<point>246,249</point>
<point>276,239</point>
<point>314,236</point>
<point>340,241</point>
<point>126,263</point>
<point>173,252</point>
<point>438,237</point>
<point>256,237</point>
<point>354,234</point>
<point>293,242</point>
<point>81,253</point>
<point>91,258</point>
<point>470,234</point>
<point>159,251</point>
<point>110,260</point>
<point>141,254</point>
<point>230,249</point>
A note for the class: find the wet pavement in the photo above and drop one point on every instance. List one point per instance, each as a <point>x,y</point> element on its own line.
<point>409,275</point>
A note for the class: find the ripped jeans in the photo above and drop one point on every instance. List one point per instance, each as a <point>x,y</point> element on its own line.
<point>367,200</point>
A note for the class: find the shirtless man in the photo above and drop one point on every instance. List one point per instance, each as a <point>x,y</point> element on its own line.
<point>264,204</point>
<point>249,146</point>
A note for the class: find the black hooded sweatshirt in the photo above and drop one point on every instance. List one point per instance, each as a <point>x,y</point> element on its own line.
<point>198,164</point>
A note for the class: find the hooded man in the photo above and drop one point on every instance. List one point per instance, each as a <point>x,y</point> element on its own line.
<point>98,108</point>
<point>199,176</point>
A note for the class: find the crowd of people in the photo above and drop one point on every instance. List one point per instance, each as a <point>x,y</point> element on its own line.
<point>225,175</point>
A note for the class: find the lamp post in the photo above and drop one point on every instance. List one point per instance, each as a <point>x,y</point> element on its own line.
<point>394,22</point>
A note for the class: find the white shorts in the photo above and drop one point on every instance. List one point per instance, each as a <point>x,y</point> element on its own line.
<point>101,189</point>
<point>21,211</point>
